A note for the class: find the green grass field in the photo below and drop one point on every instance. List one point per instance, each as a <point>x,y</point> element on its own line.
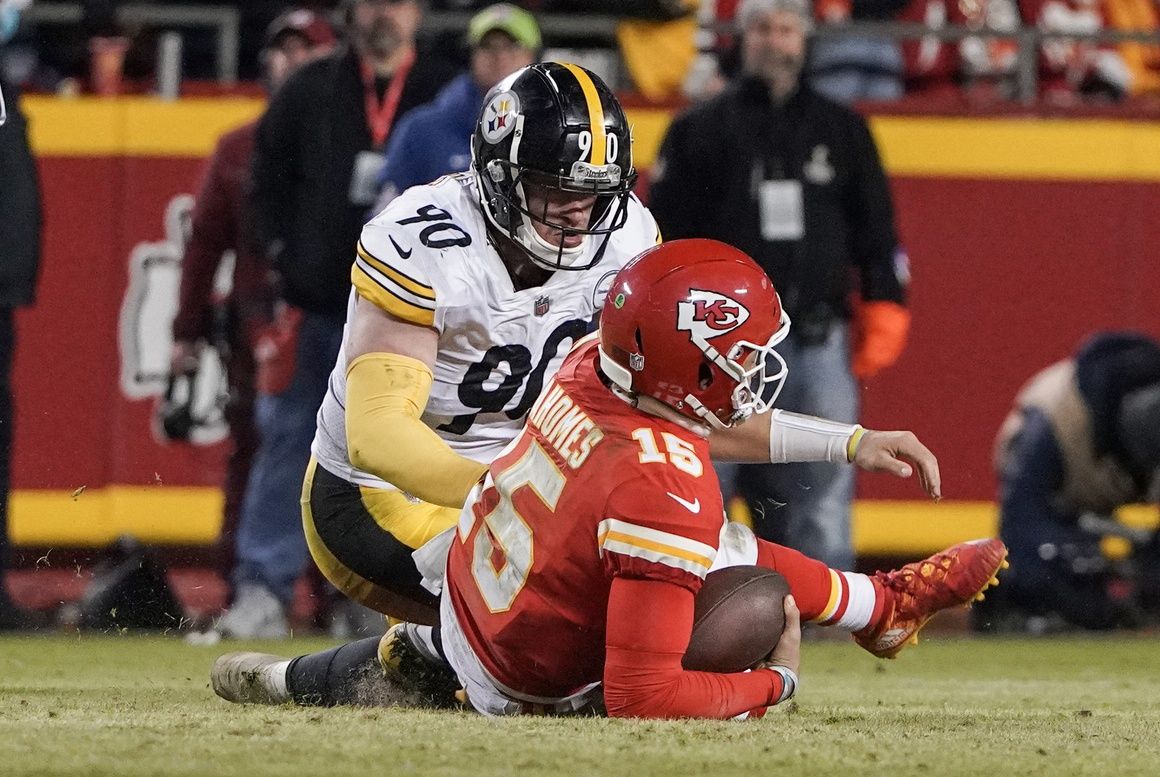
<point>88,705</point>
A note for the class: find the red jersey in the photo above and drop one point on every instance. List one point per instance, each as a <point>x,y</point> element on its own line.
<point>591,489</point>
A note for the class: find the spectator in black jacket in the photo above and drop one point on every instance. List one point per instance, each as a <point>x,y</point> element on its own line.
<point>795,181</point>
<point>20,222</point>
<point>316,163</point>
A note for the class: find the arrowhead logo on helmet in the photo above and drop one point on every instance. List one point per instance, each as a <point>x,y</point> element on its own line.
<point>708,314</point>
<point>695,325</point>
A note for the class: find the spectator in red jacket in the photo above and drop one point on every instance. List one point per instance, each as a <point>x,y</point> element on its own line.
<point>931,65</point>
<point>1071,69</point>
<point>983,68</point>
<point>220,227</point>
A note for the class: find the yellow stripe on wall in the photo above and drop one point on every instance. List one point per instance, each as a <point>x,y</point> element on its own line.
<point>1014,148</point>
<point>882,527</point>
<point>154,514</point>
<point>192,516</point>
<point>1024,148</point>
<point>134,126</point>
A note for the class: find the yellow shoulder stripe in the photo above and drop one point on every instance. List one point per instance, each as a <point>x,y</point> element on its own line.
<point>385,299</point>
<point>407,282</point>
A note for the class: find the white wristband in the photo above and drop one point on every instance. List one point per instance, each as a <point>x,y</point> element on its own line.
<point>789,683</point>
<point>797,437</point>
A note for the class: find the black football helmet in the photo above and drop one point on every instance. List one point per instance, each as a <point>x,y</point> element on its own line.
<point>555,125</point>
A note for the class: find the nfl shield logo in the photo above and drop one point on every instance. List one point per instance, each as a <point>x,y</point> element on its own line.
<point>542,305</point>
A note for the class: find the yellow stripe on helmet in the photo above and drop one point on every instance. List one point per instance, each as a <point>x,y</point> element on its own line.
<point>595,113</point>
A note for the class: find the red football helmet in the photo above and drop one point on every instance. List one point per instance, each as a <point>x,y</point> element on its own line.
<point>694,323</point>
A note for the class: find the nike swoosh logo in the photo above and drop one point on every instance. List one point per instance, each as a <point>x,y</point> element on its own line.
<point>403,254</point>
<point>693,507</point>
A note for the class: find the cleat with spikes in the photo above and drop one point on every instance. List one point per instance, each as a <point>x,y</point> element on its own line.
<point>428,681</point>
<point>251,678</point>
<point>957,576</point>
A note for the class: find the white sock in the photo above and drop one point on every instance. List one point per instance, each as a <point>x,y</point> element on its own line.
<point>852,600</point>
<point>275,677</point>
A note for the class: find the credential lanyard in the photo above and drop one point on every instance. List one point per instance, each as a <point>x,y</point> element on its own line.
<point>381,115</point>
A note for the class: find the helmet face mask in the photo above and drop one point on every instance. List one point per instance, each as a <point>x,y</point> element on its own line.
<point>760,374</point>
<point>756,370</point>
<point>695,324</point>
<point>547,134</point>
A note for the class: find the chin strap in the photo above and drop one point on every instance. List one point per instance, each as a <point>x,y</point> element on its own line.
<point>655,407</point>
<point>551,257</point>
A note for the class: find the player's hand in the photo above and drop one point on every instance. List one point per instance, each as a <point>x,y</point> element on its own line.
<point>183,357</point>
<point>789,647</point>
<point>900,453</point>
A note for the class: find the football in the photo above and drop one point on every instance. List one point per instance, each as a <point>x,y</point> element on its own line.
<point>737,619</point>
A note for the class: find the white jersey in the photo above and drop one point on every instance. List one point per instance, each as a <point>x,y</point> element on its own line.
<point>426,259</point>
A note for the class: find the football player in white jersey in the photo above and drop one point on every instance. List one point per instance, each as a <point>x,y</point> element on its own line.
<point>468,293</point>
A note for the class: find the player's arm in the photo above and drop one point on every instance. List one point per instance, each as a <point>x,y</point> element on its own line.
<point>643,676</point>
<point>781,436</point>
<point>390,357</point>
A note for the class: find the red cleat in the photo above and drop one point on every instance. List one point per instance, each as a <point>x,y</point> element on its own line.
<point>914,593</point>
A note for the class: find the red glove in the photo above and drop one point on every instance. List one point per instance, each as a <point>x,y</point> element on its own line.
<point>276,350</point>
<point>880,329</point>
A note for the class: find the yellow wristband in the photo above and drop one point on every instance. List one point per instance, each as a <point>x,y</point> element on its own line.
<point>854,441</point>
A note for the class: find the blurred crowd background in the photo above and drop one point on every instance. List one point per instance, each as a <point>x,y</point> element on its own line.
<point>1062,52</point>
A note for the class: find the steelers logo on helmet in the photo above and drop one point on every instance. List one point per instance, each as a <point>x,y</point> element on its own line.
<point>499,116</point>
<point>552,158</point>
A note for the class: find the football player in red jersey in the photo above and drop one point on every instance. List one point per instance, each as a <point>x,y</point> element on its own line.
<point>577,564</point>
<point>572,573</point>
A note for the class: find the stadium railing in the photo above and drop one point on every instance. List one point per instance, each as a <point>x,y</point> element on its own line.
<point>225,21</point>
<point>602,29</point>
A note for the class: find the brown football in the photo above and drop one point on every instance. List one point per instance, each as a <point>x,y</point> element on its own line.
<point>738,618</point>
